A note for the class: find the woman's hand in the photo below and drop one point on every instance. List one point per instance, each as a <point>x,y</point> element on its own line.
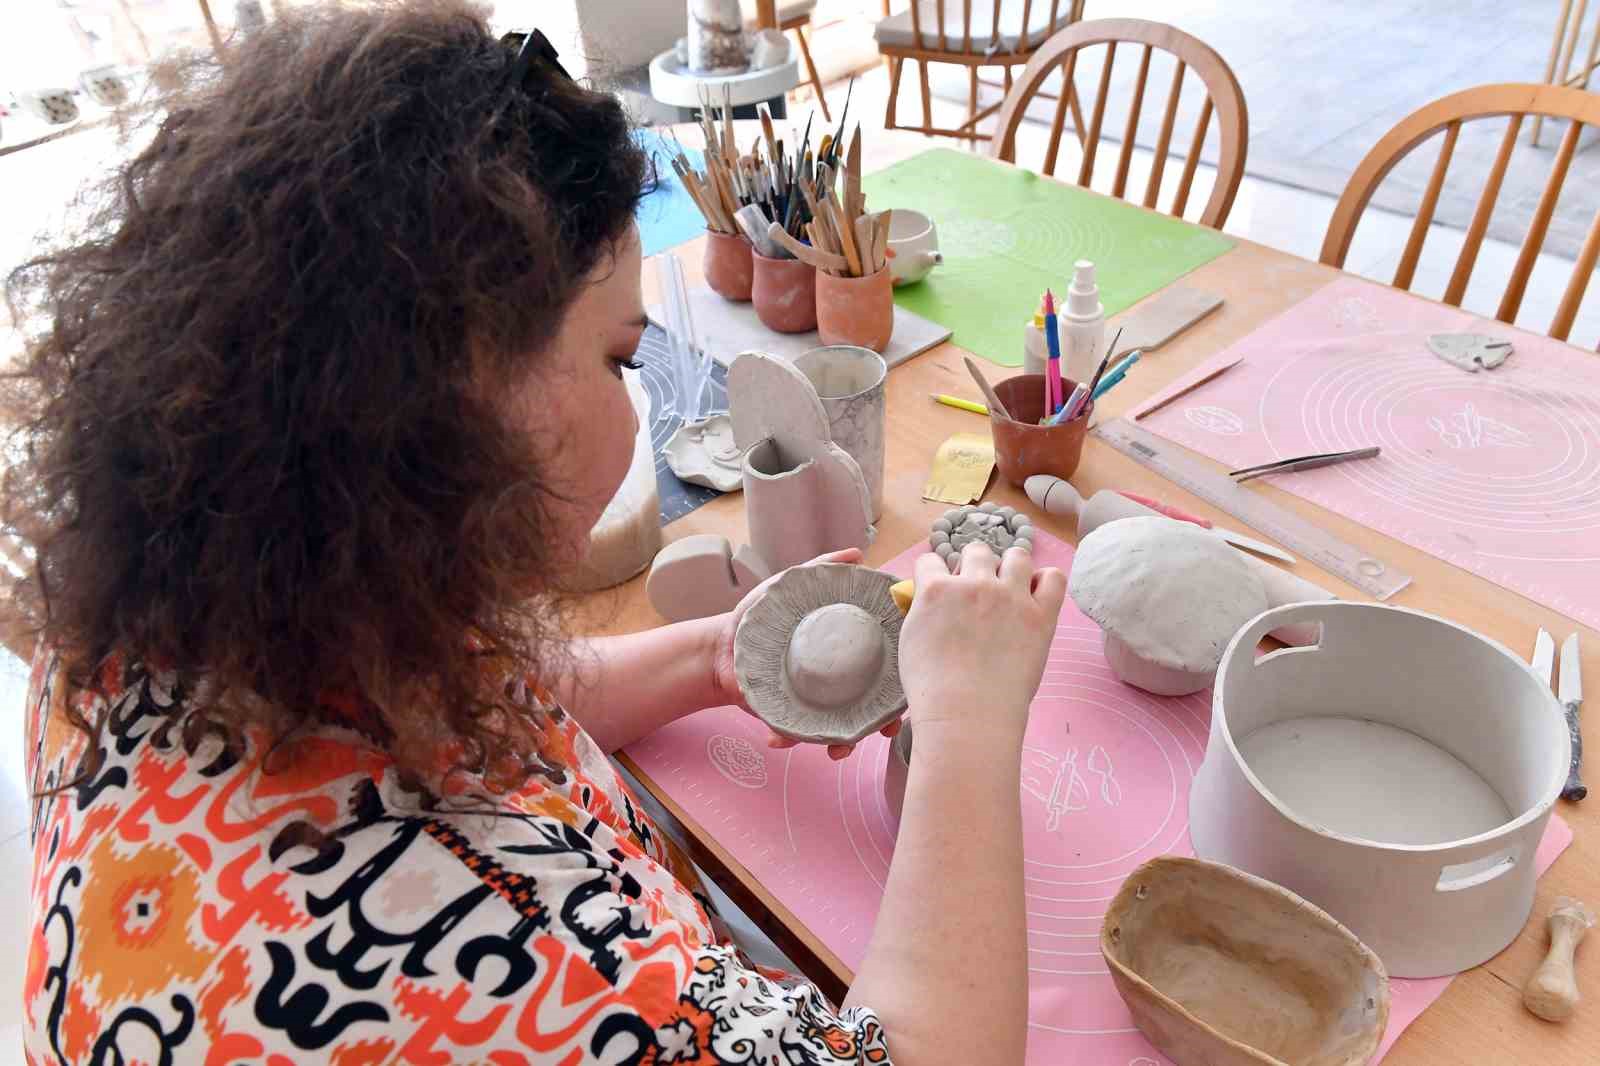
<point>727,684</point>
<point>973,648</point>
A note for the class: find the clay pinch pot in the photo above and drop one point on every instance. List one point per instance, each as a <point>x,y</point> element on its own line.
<point>1222,968</point>
<point>817,654</point>
<point>857,311</point>
<point>729,266</point>
<point>1023,448</point>
<point>784,292</point>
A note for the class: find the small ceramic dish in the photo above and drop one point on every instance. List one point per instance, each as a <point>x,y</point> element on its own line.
<point>1226,969</point>
<point>703,452</point>
<point>817,654</point>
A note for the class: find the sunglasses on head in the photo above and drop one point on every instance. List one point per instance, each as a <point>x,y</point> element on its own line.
<point>531,48</point>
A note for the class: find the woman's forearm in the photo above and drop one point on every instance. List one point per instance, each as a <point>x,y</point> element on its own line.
<point>624,688</point>
<point>947,966</point>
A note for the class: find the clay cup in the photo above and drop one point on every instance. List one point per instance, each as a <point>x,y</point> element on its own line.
<point>850,383</point>
<point>858,311</point>
<point>1023,448</point>
<point>729,266</point>
<point>785,294</point>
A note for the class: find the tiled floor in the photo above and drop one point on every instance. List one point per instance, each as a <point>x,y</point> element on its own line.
<point>1289,219</point>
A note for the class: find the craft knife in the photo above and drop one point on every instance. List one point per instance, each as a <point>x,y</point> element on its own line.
<point>1544,657</point>
<point>1570,693</point>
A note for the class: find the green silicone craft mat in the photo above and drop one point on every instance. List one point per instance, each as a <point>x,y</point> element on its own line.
<point>1008,234</point>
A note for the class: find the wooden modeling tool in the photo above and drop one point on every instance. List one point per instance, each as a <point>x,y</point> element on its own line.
<point>988,390</point>
<point>1210,375</point>
<point>1166,315</point>
<point>1552,991</point>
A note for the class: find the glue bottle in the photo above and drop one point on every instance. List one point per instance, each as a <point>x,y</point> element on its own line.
<point>1083,325</point>
<point>1035,349</point>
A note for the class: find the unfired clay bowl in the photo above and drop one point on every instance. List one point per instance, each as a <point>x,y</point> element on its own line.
<point>817,654</point>
<point>1168,596</point>
<point>703,452</point>
<point>1226,969</point>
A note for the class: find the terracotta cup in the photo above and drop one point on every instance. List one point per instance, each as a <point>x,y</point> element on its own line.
<point>1023,447</point>
<point>729,269</point>
<point>785,294</point>
<point>858,311</point>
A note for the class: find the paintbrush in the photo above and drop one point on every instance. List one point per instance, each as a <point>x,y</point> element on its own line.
<point>1112,347</point>
<point>843,115</point>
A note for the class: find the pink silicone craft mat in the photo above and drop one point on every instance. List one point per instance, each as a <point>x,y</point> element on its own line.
<point>1105,787</point>
<point>1497,472</point>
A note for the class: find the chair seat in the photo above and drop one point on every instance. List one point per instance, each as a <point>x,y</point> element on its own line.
<point>896,31</point>
<point>787,10</point>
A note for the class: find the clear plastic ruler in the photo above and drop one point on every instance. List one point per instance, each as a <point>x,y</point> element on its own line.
<point>1300,536</point>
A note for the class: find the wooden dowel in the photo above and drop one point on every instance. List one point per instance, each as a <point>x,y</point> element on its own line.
<point>1480,217</point>
<point>1511,302</point>
<point>1561,328</point>
<point>1189,165</point>
<point>1086,169</point>
<point>1131,131</point>
<point>1430,199</point>
<point>1152,190</point>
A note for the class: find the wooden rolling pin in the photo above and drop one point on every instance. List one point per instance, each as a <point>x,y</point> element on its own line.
<point>1552,991</point>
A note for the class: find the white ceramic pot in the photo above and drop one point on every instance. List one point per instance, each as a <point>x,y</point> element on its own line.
<point>1399,774</point>
<point>914,240</point>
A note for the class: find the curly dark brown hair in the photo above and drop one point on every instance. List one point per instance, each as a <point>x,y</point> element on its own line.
<point>258,441</point>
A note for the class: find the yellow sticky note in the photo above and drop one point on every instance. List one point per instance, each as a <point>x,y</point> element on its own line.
<point>961,469</point>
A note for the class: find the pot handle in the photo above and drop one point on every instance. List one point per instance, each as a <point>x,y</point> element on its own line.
<point>1452,878</point>
<point>1314,613</point>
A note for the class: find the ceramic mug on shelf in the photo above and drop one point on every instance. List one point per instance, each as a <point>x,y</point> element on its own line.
<point>857,311</point>
<point>914,246</point>
<point>55,106</point>
<point>784,292</point>
<point>107,86</point>
<point>729,266</point>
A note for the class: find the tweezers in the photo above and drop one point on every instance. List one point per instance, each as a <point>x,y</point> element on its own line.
<point>1303,462</point>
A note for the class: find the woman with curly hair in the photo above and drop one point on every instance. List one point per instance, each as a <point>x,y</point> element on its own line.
<point>323,406</point>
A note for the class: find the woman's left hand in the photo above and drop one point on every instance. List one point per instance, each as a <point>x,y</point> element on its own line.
<point>722,658</point>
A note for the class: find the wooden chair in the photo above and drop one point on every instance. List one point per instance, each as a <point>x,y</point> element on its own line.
<point>1517,102</point>
<point>786,15</point>
<point>973,34</point>
<point>1222,97</point>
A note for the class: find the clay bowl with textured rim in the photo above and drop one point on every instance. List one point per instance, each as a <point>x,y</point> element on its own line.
<point>1222,968</point>
<point>817,653</point>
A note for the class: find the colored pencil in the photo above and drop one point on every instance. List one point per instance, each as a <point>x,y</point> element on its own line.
<point>956,401</point>
<point>1052,373</point>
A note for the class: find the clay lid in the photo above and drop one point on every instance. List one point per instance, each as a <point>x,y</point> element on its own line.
<point>1170,591</point>
<point>768,398</point>
<point>817,654</point>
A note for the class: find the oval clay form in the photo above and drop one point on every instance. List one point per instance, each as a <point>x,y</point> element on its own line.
<point>1226,969</point>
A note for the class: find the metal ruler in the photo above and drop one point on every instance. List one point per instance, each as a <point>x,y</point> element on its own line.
<point>1306,539</point>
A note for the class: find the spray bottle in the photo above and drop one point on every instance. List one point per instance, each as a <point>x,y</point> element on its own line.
<point>1083,321</point>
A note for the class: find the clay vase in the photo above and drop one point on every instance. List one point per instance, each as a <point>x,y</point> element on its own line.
<point>728,266</point>
<point>858,311</point>
<point>1023,447</point>
<point>785,294</point>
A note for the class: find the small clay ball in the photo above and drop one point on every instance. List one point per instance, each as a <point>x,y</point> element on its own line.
<point>942,526</point>
<point>939,538</point>
<point>1007,513</point>
<point>945,550</point>
<point>953,516</point>
<point>1019,522</point>
<point>988,508</point>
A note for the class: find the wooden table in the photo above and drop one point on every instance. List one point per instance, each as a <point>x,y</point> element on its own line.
<point>1480,1019</point>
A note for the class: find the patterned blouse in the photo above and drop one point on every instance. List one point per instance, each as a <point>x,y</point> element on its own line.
<point>189,906</point>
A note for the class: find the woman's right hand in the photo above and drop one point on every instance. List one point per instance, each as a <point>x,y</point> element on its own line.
<point>973,648</point>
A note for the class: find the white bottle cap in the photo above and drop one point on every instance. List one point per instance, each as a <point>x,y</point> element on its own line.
<point>1083,297</point>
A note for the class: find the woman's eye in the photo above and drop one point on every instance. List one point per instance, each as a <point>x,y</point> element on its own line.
<point>629,363</point>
